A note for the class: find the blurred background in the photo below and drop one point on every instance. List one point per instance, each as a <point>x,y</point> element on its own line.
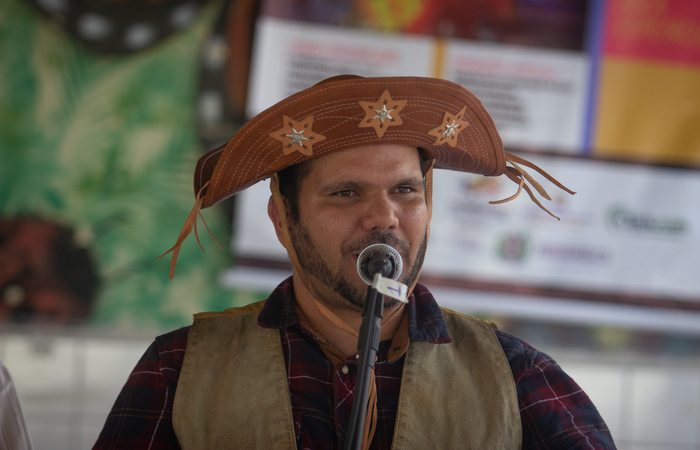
<point>105,107</point>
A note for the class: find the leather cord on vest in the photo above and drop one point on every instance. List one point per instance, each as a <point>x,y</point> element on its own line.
<point>337,321</point>
<point>371,418</point>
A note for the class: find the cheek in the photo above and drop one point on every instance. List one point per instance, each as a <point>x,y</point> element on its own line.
<point>415,223</point>
<point>333,222</point>
<point>328,231</point>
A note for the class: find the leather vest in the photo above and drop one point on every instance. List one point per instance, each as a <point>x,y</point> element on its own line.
<point>233,392</point>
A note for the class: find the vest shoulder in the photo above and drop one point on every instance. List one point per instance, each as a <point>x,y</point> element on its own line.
<point>469,319</point>
<point>252,308</point>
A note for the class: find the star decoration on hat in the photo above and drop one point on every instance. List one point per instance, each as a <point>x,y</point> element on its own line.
<point>450,128</point>
<point>382,114</point>
<point>297,136</point>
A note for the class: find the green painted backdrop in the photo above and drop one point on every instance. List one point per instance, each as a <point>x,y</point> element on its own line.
<point>107,146</point>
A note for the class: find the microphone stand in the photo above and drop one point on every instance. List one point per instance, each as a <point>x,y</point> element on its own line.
<point>367,346</point>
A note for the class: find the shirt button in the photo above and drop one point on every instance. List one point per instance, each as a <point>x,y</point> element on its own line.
<point>345,370</point>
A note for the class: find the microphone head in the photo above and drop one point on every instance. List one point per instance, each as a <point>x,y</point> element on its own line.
<point>379,258</point>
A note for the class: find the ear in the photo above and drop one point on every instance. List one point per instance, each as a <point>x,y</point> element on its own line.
<point>275,217</point>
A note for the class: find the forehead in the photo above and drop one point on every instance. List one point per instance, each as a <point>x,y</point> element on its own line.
<point>369,161</point>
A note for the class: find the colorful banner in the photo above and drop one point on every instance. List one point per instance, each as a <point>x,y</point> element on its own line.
<point>649,87</point>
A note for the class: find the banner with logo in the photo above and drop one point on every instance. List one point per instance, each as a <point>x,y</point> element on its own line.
<point>623,238</point>
<point>625,234</point>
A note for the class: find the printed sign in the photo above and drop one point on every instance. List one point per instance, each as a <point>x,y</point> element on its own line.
<point>291,56</point>
<point>537,97</point>
<point>626,233</point>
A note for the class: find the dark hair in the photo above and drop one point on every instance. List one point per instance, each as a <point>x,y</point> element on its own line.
<point>290,179</point>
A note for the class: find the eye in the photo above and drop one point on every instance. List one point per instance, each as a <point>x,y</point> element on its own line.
<point>404,190</point>
<point>345,193</point>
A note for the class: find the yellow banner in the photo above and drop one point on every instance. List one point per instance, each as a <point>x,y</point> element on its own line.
<point>648,111</point>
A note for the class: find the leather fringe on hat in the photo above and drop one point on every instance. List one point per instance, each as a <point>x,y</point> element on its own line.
<point>441,117</point>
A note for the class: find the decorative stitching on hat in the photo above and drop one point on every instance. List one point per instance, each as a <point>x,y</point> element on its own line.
<point>201,170</point>
<point>440,105</point>
<point>292,136</point>
<point>476,105</point>
<point>450,128</point>
<point>479,146</point>
<point>253,151</point>
<point>338,124</point>
<point>249,158</point>
<point>481,150</point>
<point>378,115</point>
<point>253,148</point>
<point>370,139</point>
<point>416,136</point>
<point>319,110</point>
<point>326,107</point>
<point>463,147</point>
<point>366,83</point>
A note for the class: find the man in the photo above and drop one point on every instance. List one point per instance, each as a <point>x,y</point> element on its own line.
<point>351,163</point>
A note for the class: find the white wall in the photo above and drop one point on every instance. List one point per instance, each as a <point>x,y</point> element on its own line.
<point>67,382</point>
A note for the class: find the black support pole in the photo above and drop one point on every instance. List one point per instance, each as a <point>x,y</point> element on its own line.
<point>367,346</point>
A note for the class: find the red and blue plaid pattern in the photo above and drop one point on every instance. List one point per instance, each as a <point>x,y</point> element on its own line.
<point>555,412</point>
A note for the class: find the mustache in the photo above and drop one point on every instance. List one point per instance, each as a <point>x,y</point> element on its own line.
<point>376,237</point>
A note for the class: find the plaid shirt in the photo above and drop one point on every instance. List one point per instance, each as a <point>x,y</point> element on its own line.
<point>555,412</point>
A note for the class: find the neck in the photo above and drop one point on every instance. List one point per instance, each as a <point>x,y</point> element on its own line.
<point>325,327</point>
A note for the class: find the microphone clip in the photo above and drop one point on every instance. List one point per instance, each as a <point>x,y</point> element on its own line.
<point>380,266</point>
<point>379,258</point>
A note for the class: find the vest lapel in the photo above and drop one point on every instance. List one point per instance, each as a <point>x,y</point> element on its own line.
<point>233,391</point>
<point>458,395</point>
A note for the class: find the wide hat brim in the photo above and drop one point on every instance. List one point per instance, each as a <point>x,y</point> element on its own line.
<point>441,117</point>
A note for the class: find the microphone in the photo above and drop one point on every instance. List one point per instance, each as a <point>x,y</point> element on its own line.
<point>379,258</point>
<point>386,261</point>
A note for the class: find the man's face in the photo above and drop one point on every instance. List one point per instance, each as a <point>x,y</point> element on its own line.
<point>349,200</point>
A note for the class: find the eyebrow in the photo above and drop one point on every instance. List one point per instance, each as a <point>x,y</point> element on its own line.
<point>343,185</point>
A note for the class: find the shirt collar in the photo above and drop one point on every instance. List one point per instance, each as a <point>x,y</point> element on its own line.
<point>425,320</point>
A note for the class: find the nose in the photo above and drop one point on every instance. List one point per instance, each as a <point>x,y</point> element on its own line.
<point>380,214</point>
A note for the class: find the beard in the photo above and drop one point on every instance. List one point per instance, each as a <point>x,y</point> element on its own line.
<point>340,283</point>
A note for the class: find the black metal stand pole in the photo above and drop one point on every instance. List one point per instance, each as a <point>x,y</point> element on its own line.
<point>367,346</point>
